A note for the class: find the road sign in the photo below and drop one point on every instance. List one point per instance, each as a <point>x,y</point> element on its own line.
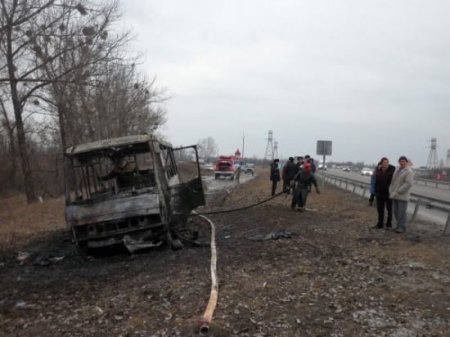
<point>324,147</point>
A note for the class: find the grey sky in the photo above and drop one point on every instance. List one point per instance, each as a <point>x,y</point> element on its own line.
<point>373,76</point>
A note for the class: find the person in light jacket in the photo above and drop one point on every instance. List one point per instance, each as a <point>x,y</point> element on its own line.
<point>401,184</point>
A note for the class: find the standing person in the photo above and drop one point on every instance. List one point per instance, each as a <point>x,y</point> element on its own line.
<point>290,169</point>
<point>402,181</point>
<point>274,175</point>
<point>238,174</point>
<point>383,178</point>
<point>303,180</point>
<point>311,161</point>
<point>372,183</point>
<point>372,187</point>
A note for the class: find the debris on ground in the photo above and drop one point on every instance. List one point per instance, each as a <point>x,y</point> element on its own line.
<point>274,235</point>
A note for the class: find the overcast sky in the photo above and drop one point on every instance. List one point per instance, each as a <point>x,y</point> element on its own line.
<point>372,76</point>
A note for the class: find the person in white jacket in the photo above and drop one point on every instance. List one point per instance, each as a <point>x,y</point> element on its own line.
<point>401,184</point>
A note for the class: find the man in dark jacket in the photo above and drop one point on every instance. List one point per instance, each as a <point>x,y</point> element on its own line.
<point>383,178</point>
<point>303,180</point>
<point>290,169</point>
<point>274,175</point>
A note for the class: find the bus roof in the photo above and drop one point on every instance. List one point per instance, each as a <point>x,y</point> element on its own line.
<point>109,144</point>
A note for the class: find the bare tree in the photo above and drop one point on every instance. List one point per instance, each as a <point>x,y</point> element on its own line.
<point>103,96</point>
<point>54,54</point>
<point>8,127</point>
<point>83,34</point>
<point>17,18</point>
<point>126,104</point>
<point>208,148</point>
<point>24,26</point>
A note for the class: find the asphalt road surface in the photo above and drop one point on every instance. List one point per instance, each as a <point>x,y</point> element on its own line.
<point>426,191</point>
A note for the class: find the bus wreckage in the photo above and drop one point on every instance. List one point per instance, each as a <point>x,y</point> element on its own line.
<point>128,191</point>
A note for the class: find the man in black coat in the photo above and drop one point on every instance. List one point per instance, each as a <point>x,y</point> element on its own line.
<point>290,169</point>
<point>383,178</point>
<point>274,175</point>
<point>303,181</point>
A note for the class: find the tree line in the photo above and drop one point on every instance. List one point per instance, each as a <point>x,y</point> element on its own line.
<point>66,78</point>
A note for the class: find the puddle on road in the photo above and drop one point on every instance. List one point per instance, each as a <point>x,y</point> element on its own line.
<point>215,185</point>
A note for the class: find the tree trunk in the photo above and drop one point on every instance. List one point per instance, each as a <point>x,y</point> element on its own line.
<point>13,156</point>
<point>18,109</point>
<point>12,147</point>
<point>21,141</point>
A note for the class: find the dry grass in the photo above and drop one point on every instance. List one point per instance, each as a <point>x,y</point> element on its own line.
<point>19,221</point>
<point>335,267</point>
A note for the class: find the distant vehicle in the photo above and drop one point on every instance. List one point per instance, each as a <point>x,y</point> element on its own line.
<point>249,169</point>
<point>366,171</point>
<point>225,167</point>
<point>346,169</point>
<point>208,167</point>
<point>322,167</point>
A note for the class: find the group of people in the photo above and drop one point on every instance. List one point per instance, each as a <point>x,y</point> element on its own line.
<point>297,176</point>
<point>390,187</point>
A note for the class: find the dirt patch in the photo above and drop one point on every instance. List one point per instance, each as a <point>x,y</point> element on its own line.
<point>335,277</point>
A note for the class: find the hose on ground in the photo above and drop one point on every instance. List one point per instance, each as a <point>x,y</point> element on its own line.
<point>234,209</point>
<point>206,319</point>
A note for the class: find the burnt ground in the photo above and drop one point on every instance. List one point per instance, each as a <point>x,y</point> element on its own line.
<point>335,277</point>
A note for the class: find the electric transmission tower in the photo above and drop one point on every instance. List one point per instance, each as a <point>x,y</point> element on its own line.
<point>275,149</point>
<point>269,147</point>
<point>432,161</point>
<point>447,163</point>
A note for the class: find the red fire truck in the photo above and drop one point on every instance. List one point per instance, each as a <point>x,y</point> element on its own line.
<point>225,166</point>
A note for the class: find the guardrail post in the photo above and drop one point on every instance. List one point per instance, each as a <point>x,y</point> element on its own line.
<point>416,209</point>
<point>447,225</point>
<point>354,188</point>
<point>363,193</point>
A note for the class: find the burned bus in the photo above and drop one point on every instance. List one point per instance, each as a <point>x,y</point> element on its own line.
<point>129,191</point>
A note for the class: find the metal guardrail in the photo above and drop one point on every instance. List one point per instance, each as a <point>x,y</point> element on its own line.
<point>419,200</point>
<point>436,183</point>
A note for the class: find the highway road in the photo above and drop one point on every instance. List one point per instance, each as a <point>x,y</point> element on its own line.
<point>422,190</point>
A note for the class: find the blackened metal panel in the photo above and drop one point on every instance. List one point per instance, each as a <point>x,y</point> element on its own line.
<point>108,210</point>
<point>187,196</point>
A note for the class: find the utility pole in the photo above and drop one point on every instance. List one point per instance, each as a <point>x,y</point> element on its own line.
<point>243,146</point>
